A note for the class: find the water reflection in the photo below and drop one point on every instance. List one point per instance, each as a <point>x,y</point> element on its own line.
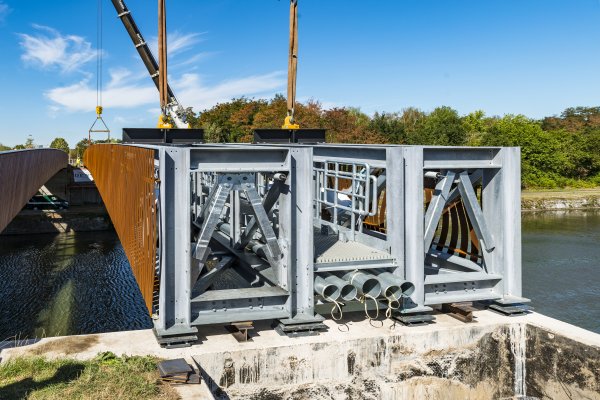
<point>67,284</point>
<point>561,265</point>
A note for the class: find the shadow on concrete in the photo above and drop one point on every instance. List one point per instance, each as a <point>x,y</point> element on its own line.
<point>215,390</point>
<point>23,388</point>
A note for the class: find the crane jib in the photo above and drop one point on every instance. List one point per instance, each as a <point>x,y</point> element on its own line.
<point>174,108</point>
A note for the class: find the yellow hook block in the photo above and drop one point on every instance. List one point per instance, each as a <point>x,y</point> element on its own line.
<point>287,123</point>
<point>163,123</point>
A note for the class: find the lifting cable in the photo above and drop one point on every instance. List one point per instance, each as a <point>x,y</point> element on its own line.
<point>99,41</point>
<point>163,86</point>
<point>289,122</point>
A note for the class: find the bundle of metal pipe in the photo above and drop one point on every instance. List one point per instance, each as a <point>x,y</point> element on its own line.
<point>393,287</point>
<point>345,291</point>
<point>326,289</point>
<point>365,283</point>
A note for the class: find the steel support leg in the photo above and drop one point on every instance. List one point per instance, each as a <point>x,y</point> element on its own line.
<point>174,314</point>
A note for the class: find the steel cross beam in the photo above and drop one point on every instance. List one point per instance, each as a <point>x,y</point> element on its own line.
<point>436,206</point>
<point>270,199</point>
<point>213,209</point>
<point>474,211</point>
<point>273,252</point>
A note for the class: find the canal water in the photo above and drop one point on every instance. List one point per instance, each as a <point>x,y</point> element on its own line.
<point>63,284</point>
<point>72,284</point>
<point>561,265</point>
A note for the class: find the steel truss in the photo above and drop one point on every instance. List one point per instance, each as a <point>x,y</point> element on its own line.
<point>282,232</point>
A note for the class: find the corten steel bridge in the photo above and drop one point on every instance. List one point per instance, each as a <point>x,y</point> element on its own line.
<point>22,173</point>
<point>224,233</point>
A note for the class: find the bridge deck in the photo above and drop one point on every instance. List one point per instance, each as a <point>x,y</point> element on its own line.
<point>22,173</point>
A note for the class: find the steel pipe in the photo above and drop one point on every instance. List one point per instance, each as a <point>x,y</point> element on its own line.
<point>365,283</point>
<point>393,286</point>
<point>325,289</point>
<point>347,291</point>
<point>257,247</point>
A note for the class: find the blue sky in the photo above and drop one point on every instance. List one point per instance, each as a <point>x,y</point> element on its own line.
<point>534,57</point>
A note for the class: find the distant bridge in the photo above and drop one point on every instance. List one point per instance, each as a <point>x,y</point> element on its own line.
<point>22,173</point>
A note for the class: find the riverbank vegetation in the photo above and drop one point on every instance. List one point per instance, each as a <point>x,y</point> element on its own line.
<point>105,377</point>
<point>559,151</point>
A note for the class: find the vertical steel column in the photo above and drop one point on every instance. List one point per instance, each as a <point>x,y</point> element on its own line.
<point>414,220</point>
<point>175,283</point>
<point>493,207</point>
<point>301,245</point>
<point>394,193</point>
<point>512,220</point>
<point>502,208</point>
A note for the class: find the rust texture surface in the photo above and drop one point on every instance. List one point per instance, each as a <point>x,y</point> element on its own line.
<point>22,173</point>
<point>125,178</point>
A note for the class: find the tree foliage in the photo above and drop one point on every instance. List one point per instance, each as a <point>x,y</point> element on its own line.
<point>60,144</point>
<point>556,151</point>
<point>29,143</point>
<point>81,147</point>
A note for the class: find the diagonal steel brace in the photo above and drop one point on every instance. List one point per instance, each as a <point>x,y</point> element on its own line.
<point>273,251</point>
<point>474,211</point>
<point>270,200</point>
<point>436,206</point>
<point>213,215</point>
<point>207,279</point>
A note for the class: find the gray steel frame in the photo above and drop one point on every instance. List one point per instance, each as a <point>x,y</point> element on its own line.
<point>497,224</point>
<point>288,268</point>
<point>290,296</point>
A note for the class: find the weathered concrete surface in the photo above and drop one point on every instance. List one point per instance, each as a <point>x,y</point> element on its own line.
<point>445,360</point>
<point>560,367</point>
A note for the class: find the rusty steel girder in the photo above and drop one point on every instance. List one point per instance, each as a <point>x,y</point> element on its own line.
<point>125,178</point>
<point>22,173</point>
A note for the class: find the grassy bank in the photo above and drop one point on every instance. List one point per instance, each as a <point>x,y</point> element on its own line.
<point>105,377</point>
<point>569,193</point>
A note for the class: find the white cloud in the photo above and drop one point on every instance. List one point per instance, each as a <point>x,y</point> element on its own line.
<point>4,11</point>
<point>192,91</point>
<point>48,48</point>
<point>124,90</point>
<point>177,42</point>
<point>192,60</point>
<point>121,92</point>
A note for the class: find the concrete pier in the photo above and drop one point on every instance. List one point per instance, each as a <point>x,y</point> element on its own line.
<point>494,357</point>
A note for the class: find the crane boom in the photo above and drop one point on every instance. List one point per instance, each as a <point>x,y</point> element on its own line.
<point>175,110</point>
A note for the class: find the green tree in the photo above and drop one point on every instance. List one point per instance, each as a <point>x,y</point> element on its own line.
<point>543,154</point>
<point>81,147</point>
<point>229,122</point>
<point>475,125</point>
<point>29,143</point>
<point>60,144</point>
<point>3,147</point>
<point>443,126</point>
<point>19,147</point>
<point>390,125</point>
